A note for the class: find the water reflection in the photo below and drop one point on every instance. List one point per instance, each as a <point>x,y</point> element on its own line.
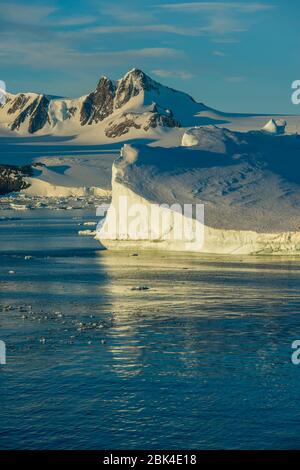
<point>196,308</point>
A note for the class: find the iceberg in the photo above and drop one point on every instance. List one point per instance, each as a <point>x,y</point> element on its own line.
<point>275,126</point>
<point>248,183</point>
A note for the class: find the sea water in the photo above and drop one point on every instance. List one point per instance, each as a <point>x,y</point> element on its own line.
<point>141,350</point>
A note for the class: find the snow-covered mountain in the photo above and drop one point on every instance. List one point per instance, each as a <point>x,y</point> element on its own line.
<point>136,106</point>
<point>65,138</point>
<point>135,102</point>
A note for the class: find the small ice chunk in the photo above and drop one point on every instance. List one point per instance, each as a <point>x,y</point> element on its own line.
<point>87,233</point>
<point>140,288</point>
<point>91,223</point>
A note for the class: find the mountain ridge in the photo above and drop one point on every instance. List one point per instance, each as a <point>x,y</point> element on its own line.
<point>133,107</point>
<point>135,93</point>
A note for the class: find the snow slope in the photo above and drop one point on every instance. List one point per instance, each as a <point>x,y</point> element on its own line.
<point>248,182</point>
<point>71,176</point>
<point>60,167</point>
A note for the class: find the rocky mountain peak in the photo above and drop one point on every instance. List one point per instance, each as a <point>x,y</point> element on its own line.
<point>138,76</point>
<point>104,82</point>
<point>99,104</point>
<point>133,83</point>
<point>141,78</point>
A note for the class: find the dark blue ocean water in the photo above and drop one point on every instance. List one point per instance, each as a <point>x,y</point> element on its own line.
<point>202,359</point>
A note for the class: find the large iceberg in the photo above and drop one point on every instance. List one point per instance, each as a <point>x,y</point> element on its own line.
<point>249,184</point>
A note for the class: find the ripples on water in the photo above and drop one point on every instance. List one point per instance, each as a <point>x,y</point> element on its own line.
<point>201,359</point>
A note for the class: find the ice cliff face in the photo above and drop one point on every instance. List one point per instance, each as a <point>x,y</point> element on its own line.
<point>248,182</point>
<point>133,102</point>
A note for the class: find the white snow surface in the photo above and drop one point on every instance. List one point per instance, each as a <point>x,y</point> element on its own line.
<point>71,176</point>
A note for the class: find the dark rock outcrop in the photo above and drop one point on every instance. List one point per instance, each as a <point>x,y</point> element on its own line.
<point>157,119</point>
<point>116,129</point>
<point>128,121</point>
<point>99,104</point>
<point>12,178</point>
<point>40,115</point>
<point>37,112</point>
<point>18,103</point>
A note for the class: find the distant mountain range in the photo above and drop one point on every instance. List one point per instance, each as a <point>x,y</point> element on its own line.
<point>136,106</point>
<point>135,101</point>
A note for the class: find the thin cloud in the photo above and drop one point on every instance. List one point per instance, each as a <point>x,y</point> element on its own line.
<point>219,54</point>
<point>127,15</point>
<point>163,28</point>
<point>222,18</point>
<point>236,79</point>
<point>75,21</point>
<point>225,40</point>
<point>183,74</point>
<point>215,26</point>
<point>32,53</point>
<point>217,6</point>
<point>22,14</point>
<point>147,52</point>
<point>223,25</point>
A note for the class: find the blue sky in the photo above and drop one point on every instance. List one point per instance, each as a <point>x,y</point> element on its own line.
<point>235,56</point>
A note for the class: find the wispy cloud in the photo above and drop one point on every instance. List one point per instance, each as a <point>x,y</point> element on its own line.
<point>147,52</point>
<point>219,54</point>
<point>162,28</point>
<point>28,51</point>
<point>236,79</point>
<point>45,37</point>
<point>225,40</point>
<point>40,15</point>
<point>125,14</point>
<point>224,25</point>
<point>220,18</point>
<point>217,6</point>
<point>182,74</point>
<point>215,26</point>
<point>74,21</point>
<point>25,14</point>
